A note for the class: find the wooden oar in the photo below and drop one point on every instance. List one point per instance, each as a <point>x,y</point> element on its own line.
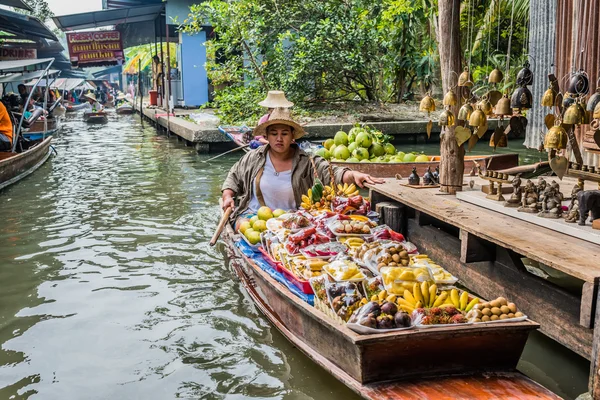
<point>221,225</point>
<point>228,151</point>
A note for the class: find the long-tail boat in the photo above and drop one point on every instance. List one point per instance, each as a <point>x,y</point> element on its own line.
<point>97,117</point>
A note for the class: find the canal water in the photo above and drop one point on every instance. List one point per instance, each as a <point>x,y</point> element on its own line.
<point>109,290</point>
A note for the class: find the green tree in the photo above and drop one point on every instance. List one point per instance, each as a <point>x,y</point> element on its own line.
<point>41,9</point>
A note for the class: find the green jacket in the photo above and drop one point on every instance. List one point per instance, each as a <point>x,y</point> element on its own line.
<point>241,176</point>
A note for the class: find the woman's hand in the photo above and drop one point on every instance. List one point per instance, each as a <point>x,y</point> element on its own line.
<point>360,179</point>
<point>228,199</point>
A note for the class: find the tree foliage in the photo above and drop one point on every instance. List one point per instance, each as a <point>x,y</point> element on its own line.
<point>41,9</point>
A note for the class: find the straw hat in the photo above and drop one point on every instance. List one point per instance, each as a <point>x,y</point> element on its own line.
<point>90,96</point>
<point>276,99</point>
<point>121,96</point>
<point>280,116</point>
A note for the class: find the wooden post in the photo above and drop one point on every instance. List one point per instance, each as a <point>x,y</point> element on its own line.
<point>452,156</point>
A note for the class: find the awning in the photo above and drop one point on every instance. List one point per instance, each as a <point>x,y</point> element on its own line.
<point>22,24</point>
<point>111,4</point>
<point>23,65</point>
<point>18,77</point>
<point>64,83</point>
<point>107,71</point>
<point>97,19</point>
<point>16,3</point>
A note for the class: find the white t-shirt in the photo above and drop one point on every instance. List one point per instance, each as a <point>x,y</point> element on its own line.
<point>276,188</point>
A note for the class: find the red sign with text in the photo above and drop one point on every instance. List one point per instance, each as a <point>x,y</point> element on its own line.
<point>95,48</point>
<point>17,53</point>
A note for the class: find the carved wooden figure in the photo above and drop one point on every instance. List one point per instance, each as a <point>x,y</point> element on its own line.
<point>529,199</point>
<point>573,211</point>
<point>516,197</point>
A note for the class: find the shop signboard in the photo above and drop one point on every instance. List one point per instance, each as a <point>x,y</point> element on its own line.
<point>95,48</point>
<point>17,53</point>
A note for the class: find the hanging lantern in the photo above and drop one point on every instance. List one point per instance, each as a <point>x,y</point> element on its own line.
<point>573,115</point>
<point>496,76</point>
<point>486,106</point>
<point>465,112</point>
<point>594,100</point>
<point>525,76</point>
<point>556,138</point>
<point>579,85</point>
<point>450,98</point>
<point>521,98</point>
<point>494,96</point>
<point>548,98</point>
<point>465,78</point>
<point>427,104</point>
<point>503,107</point>
<point>446,118</point>
<point>478,117</point>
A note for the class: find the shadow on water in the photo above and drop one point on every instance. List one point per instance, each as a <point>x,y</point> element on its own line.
<point>108,288</point>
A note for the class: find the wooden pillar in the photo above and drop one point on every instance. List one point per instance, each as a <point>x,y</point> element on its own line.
<point>452,156</point>
<point>594,381</point>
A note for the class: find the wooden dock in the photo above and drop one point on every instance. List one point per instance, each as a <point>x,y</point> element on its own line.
<point>485,250</point>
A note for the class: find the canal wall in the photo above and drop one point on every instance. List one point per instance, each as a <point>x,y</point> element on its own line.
<point>209,139</point>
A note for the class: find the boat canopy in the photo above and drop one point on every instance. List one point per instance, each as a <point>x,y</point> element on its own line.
<point>24,65</point>
<point>22,77</point>
<point>22,24</point>
<point>65,84</point>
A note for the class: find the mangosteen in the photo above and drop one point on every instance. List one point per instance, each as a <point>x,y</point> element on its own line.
<point>385,322</point>
<point>371,307</point>
<point>402,319</point>
<point>389,308</point>
<point>369,322</point>
<point>335,290</point>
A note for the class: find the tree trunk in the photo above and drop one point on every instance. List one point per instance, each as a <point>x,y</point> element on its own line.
<point>452,156</point>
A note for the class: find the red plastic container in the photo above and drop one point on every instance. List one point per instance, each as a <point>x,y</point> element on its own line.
<point>304,286</point>
<point>153,97</point>
<point>276,265</point>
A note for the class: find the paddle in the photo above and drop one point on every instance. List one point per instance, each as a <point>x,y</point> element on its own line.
<point>221,225</point>
<point>228,151</point>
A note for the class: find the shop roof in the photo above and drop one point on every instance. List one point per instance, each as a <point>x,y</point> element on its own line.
<point>16,3</point>
<point>21,24</point>
<point>23,65</point>
<point>107,71</point>
<point>108,17</point>
<point>22,77</point>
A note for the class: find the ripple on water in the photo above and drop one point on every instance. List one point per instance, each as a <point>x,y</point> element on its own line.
<point>109,289</point>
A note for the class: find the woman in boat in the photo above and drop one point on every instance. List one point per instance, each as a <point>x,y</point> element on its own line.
<point>90,106</point>
<point>279,173</point>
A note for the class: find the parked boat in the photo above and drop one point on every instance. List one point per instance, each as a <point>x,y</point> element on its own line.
<point>125,108</point>
<point>36,131</point>
<point>98,117</point>
<point>16,166</point>
<point>468,361</point>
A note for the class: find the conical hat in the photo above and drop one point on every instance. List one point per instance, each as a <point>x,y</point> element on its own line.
<point>280,116</point>
<point>275,99</point>
<point>90,96</point>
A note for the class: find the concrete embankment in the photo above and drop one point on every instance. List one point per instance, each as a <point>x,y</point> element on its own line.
<point>207,138</point>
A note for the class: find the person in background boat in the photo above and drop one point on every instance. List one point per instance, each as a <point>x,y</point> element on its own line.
<point>279,173</point>
<point>131,89</point>
<point>23,93</point>
<point>6,129</point>
<point>275,99</point>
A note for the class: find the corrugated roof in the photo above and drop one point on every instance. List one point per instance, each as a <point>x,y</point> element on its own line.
<point>23,65</point>
<point>26,25</point>
<point>17,4</point>
<point>108,17</point>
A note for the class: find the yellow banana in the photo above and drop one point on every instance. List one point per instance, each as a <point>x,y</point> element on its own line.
<point>409,297</point>
<point>421,256</point>
<point>403,302</point>
<point>407,308</point>
<point>417,292</point>
<point>454,297</point>
<point>340,187</point>
<point>440,299</point>
<point>419,304</point>
<point>345,187</point>
<point>382,295</point>
<point>425,292</point>
<point>374,298</point>
<point>432,294</point>
<point>472,304</point>
<point>391,298</point>
<point>306,199</point>
<point>464,298</point>
<point>352,194</point>
<point>310,193</point>
<point>363,301</point>
<point>447,305</point>
<point>350,189</point>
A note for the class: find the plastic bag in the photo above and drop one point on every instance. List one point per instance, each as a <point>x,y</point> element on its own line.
<point>344,270</point>
<point>344,298</point>
<point>398,279</point>
<point>373,286</point>
<point>384,317</point>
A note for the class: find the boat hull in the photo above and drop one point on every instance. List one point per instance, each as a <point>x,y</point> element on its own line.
<point>124,110</point>
<point>36,130</point>
<point>16,166</point>
<point>385,170</point>
<point>95,118</point>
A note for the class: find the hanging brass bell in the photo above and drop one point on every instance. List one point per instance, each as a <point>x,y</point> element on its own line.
<point>556,138</point>
<point>596,114</point>
<point>579,85</point>
<point>496,76</point>
<point>494,96</point>
<point>465,78</point>
<point>503,107</point>
<point>594,100</point>
<point>525,76</point>
<point>446,118</point>
<point>521,98</point>
<point>568,100</point>
<point>573,115</point>
<point>585,116</point>
<point>450,98</point>
<point>427,104</point>
<point>465,112</point>
<point>478,117</point>
<point>548,98</point>
<point>486,106</point>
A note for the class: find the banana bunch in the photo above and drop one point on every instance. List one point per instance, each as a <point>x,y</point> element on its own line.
<point>323,204</point>
<point>352,242</point>
<point>423,295</point>
<point>462,302</point>
<point>316,265</point>
<point>383,295</point>
<point>346,190</point>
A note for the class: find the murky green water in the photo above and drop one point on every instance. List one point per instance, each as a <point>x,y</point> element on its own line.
<point>109,290</point>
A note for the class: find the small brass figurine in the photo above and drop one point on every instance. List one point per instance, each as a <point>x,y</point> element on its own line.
<point>414,179</point>
<point>551,202</point>
<point>428,178</point>
<point>515,198</point>
<point>529,198</point>
<point>573,211</point>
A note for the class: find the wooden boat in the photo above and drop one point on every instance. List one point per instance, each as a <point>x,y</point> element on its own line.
<point>98,117</point>
<point>16,166</point>
<point>36,131</point>
<point>125,108</point>
<point>468,361</point>
<point>385,170</point>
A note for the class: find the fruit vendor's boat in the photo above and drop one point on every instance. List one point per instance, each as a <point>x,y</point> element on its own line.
<point>468,361</point>
<point>16,166</point>
<point>385,170</point>
<point>95,117</point>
